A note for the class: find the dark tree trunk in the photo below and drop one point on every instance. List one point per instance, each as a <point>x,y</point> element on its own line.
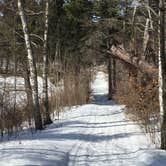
<point>110,75</point>
<point>29,96</point>
<point>47,119</point>
<point>114,75</point>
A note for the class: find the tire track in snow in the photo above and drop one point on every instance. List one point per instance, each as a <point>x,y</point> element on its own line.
<point>79,147</point>
<point>115,144</point>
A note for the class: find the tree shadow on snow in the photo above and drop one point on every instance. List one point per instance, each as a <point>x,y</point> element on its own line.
<point>52,135</point>
<point>44,157</point>
<point>102,99</point>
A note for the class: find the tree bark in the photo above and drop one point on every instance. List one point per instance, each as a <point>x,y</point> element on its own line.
<point>120,53</point>
<point>162,63</point>
<point>32,67</point>
<point>114,75</point>
<point>29,95</point>
<point>110,88</point>
<point>47,119</point>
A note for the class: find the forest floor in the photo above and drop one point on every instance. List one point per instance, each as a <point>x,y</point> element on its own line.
<point>96,134</point>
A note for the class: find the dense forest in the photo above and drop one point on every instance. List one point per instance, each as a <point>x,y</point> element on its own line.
<point>50,51</point>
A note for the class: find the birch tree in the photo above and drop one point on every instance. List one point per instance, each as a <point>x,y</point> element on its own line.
<point>32,67</point>
<point>162,73</point>
<point>45,70</point>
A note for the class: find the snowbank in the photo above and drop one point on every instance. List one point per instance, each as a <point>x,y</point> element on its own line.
<point>20,94</point>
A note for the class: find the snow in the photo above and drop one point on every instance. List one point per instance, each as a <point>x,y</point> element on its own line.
<point>97,134</point>
<point>20,94</point>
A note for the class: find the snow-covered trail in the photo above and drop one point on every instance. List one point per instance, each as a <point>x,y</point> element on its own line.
<point>96,134</point>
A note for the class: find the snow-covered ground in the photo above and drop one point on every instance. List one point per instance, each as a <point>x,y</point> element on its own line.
<point>20,94</point>
<point>96,134</point>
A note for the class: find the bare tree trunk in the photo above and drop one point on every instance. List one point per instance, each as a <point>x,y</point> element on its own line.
<point>162,67</point>
<point>133,41</point>
<point>47,119</point>
<point>110,88</point>
<point>125,13</point>
<point>57,58</point>
<point>29,96</point>
<point>114,75</point>
<point>146,35</point>
<point>15,66</point>
<point>110,74</point>
<point>32,67</point>
<point>111,77</point>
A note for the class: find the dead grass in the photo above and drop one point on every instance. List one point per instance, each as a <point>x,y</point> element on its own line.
<point>75,90</point>
<point>142,104</point>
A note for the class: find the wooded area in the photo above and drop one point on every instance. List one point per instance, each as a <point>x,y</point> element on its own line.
<point>49,50</point>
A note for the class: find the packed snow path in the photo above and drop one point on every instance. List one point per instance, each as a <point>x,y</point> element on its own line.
<point>96,134</point>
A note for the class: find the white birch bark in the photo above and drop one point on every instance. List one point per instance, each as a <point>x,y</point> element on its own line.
<point>146,35</point>
<point>160,79</point>
<point>162,73</point>
<point>32,67</point>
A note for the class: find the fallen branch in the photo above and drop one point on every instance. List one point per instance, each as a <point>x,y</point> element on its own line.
<point>120,53</point>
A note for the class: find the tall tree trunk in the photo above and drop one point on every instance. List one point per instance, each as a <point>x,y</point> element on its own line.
<point>32,67</point>
<point>114,74</point>
<point>110,88</point>
<point>47,119</point>
<point>162,68</point>
<point>29,95</point>
<point>110,73</point>
<point>57,58</point>
<point>133,41</point>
